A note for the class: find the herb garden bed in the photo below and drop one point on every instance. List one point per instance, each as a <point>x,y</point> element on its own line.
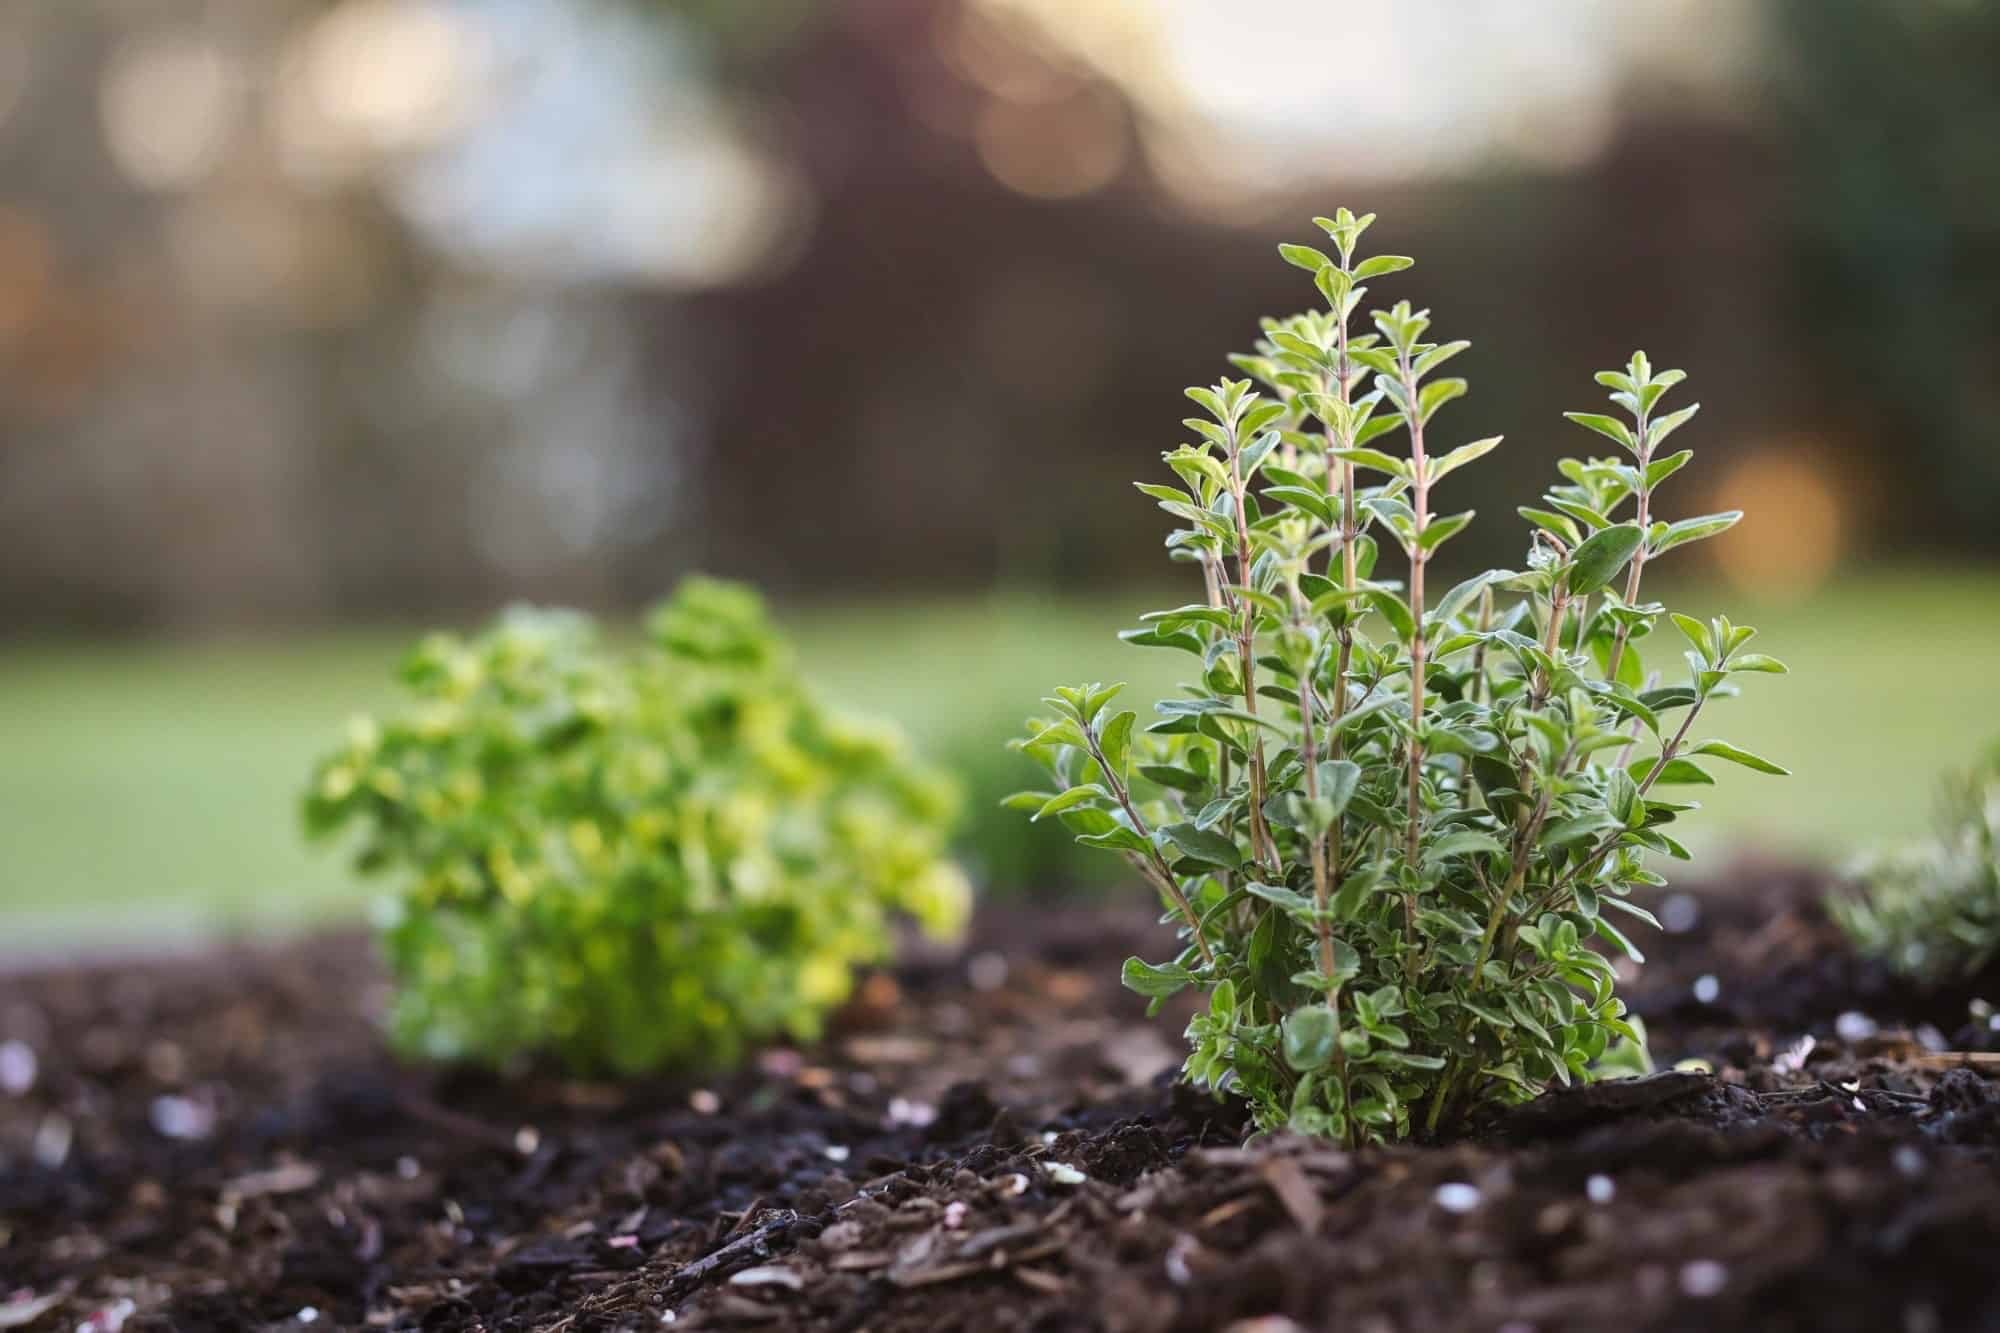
<point>988,1140</point>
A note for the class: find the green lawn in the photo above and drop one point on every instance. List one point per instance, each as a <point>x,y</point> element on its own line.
<point>148,788</point>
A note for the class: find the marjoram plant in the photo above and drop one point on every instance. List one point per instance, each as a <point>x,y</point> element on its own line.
<point>632,860</point>
<point>1386,821</point>
<point>1931,910</point>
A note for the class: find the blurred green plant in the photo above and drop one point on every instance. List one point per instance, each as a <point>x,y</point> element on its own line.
<point>633,860</point>
<point>1931,910</point>
<point>1385,854</point>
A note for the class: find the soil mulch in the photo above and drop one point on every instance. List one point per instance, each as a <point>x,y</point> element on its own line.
<point>990,1140</point>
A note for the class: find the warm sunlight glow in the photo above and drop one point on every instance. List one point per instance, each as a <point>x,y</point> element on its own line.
<point>391,73</point>
<point>1054,150</point>
<point>1390,92</point>
<point>168,104</point>
<point>1795,523</point>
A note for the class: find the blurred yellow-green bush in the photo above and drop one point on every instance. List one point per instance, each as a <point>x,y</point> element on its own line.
<point>633,859</point>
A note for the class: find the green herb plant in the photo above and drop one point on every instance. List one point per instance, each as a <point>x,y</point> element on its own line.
<point>632,860</point>
<point>1387,820</point>
<point>1931,910</point>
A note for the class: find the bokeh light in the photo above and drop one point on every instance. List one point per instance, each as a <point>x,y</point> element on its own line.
<point>1053,150</point>
<point>169,103</point>
<point>1795,526</point>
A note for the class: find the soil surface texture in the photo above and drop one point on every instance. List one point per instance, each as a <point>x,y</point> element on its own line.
<point>992,1140</point>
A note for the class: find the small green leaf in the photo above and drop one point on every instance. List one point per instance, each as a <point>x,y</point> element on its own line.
<point>1697,634</point>
<point>1695,529</point>
<point>1441,530</point>
<point>1070,799</point>
<point>1117,742</point>
<point>1167,775</point>
<point>1660,469</point>
<point>1757,662</point>
<point>1338,780</point>
<point>1155,982</point>
<point>1622,798</point>
<point>1658,431</point>
<point>1375,459</point>
<point>1551,522</point>
<point>1611,428</point>
<point>1436,394</point>
<point>1202,845</point>
<point>1308,1039</point>
<point>1380,265</point>
<point>1459,457</point>
<point>1677,773</point>
<point>1394,610</point>
<point>1289,899</point>
<point>1598,560</point>
<point>1737,755</point>
<point>1117,839</point>
<point>1304,256</point>
<point>1465,842</point>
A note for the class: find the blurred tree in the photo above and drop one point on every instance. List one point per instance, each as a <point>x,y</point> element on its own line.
<point>1891,121</point>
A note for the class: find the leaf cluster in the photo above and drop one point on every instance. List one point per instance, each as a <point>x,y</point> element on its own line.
<point>632,860</point>
<point>1931,910</point>
<point>1389,824</point>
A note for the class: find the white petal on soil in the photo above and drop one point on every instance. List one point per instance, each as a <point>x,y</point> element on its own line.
<point>181,1118</point>
<point>1855,1026</point>
<point>1707,988</point>
<point>1063,1173</point>
<point>26,1307</point>
<point>1793,1058</point>
<point>1457,1197</point>
<point>770,1275</point>
<point>17,1067</point>
<point>987,971</point>
<point>1680,913</point>
<point>1600,1189</point>
<point>1703,1277</point>
<point>52,1140</point>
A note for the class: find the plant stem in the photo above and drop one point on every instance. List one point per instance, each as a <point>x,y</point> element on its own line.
<point>1338,437</point>
<point>1480,691</point>
<point>1153,863</point>
<point>1322,892</point>
<point>1350,531</point>
<point>1643,448</point>
<point>1420,504</point>
<point>1551,642</point>
<point>1262,848</point>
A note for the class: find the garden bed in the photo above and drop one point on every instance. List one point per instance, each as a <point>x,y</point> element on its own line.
<point>989,1140</point>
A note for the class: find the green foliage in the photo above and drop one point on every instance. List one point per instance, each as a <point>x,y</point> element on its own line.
<point>632,860</point>
<point>1387,822</point>
<point>1932,910</point>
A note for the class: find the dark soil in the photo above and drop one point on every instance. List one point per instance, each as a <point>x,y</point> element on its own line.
<point>988,1141</point>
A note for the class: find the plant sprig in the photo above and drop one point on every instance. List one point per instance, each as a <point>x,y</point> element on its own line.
<point>632,860</point>
<point>1385,821</point>
<point>1931,910</point>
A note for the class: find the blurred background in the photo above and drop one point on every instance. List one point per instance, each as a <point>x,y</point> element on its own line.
<point>325,320</point>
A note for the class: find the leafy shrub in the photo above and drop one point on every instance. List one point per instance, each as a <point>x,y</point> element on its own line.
<point>1387,821</point>
<point>632,860</point>
<point>1932,910</point>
